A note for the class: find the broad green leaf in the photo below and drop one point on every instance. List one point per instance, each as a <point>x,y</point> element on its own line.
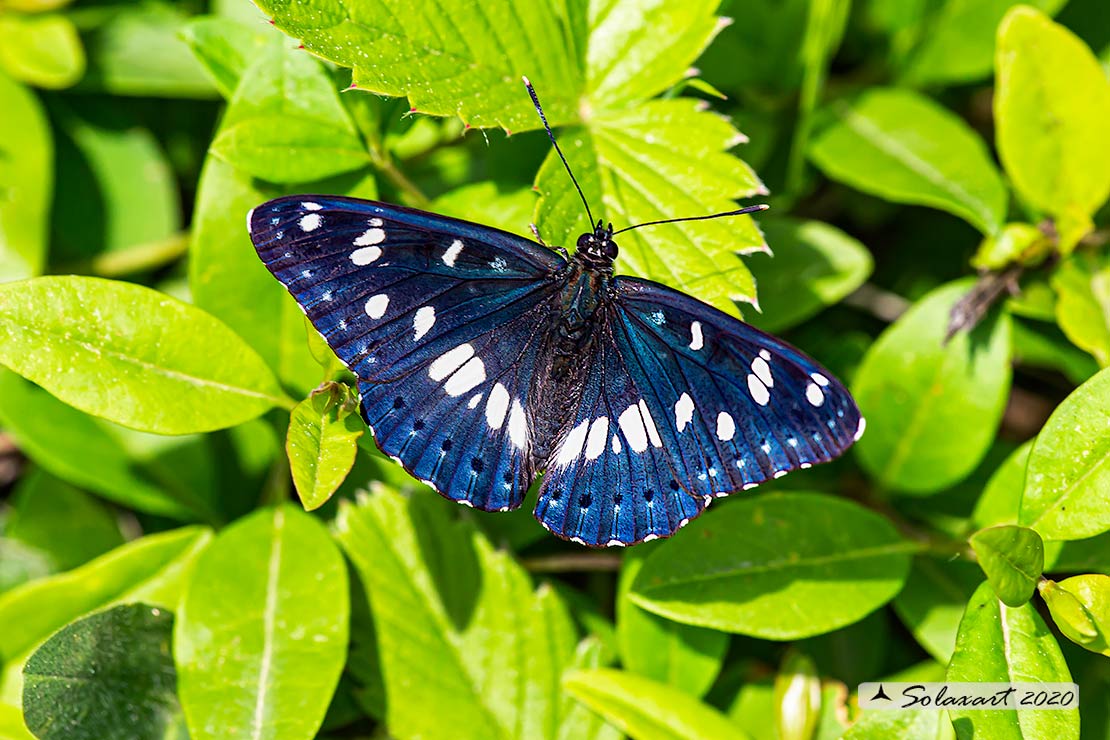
<point>62,521</point>
<point>1067,485</point>
<point>805,564</point>
<point>813,265</point>
<point>797,697</point>
<point>115,187</point>
<point>958,45</point>
<point>1051,104</point>
<point>152,570</point>
<point>90,453</point>
<point>315,138</point>
<point>1013,559</point>
<point>1041,344</point>
<point>998,643</point>
<point>109,675</point>
<point>1019,243</point>
<point>763,50</point>
<point>685,657</point>
<point>578,720</point>
<point>933,601</point>
<point>902,146</point>
<point>138,50</point>
<point>484,203</point>
<point>102,347</point>
<point>41,50</point>
<point>663,158</point>
<point>881,724</point>
<point>430,52</point>
<point>649,710</point>
<point>1001,499</point>
<point>11,724</point>
<point>1080,606</point>
<point>20,564</point>
<point>247,591</point>
<point>932,408</point>
<point>1082,285</point>
<point>26,181</point>
<point>459,626</point>
<point>225,48</point>
<point>322,442</point>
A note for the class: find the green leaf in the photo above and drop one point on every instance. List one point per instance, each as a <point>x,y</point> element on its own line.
<point>1051,104</point>
<point>798,551</point>
<point>1043,345</point>
<point>958,45</point>
<point>21,564</point>
<point>225,47</point>
<point>933,601</point>
<point>138,50</point>
<point>322,442</point>
<point>814,265</point>
<point>484,203</point>
<point>1001,499</point>
<point>1013,559</point>
<point>100,345</point>
<point>26,181</point>
<point>152,570</point>
<point>797,697</point>
<point>686,657</point>
<point>636,164</point>
<point>1080,606</point>
<point>62,521</point>
<point>647,709</point>
<point>881,724</point>
<point>430,53</point>
<point>903,147</point>
<point>1082,285</point>
<point>11,724</point>
<point>109,675</point>
<point>916,391</point>
<point>41,50</point>
<point>247,591</point>
<point>998,643</point>
<point>458,624</point>
<point>316,138</point>
<point>1019,243</point>
<point>1067,486</point>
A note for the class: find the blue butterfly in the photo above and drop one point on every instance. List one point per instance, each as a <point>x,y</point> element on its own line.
<point>484,358</point>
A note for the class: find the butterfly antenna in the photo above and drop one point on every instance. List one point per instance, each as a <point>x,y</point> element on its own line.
<point>550,135</point>
<point>740,212</point>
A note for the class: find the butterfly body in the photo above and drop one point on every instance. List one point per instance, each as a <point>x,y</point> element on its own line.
<point>484,358</point>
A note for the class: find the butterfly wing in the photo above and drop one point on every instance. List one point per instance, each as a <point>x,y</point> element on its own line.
<point>696,404</point>
<point>438,318</point>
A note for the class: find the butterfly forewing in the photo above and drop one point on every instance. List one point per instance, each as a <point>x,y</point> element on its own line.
<point>440,320</point>
<point>704,405</point>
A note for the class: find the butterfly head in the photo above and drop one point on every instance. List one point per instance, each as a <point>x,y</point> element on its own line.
<point>598,247</point>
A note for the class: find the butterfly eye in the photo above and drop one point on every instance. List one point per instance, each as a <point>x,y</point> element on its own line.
<point>585,240</point>
<point>610,249</point>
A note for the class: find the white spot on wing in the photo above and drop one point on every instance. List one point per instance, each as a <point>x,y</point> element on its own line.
<point>763,371</point>
<point>309,222</point>
<point>572,445</point>
<point>814,395</point>
<point>819,379</point>
<point>423,321</point>
<point>650,537</point>
<point>376,306</point>
<point>466,378</point>
<point>370,236</point>
<point>860,429</point>
<point>633,427</point>
<point>683,411</point>
<point>449,362</point>
<point>595,443</point>
<point>311,206</point>
<point>366,255</point>
<point>518,425</point>
<point>375,222</point>
<point>614,543</point>
<point>695,334</point>
<point>726,428</point>
<point>250,214</point>
<point>759,392</point>
<point>765,354</point>
<point>497,406</point>
<point>474,401</point>
<point>452,253</point>
<point>616,445</point>
<point>649,425</point>
<point>780,473</point>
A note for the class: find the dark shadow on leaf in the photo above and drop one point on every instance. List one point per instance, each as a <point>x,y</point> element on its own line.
<point>447,549</point>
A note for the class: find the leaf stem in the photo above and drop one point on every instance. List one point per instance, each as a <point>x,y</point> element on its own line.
<point>576,562</point>
<point>413,194</point>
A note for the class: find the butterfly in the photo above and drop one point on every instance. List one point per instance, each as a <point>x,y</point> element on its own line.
<point>484,359</point>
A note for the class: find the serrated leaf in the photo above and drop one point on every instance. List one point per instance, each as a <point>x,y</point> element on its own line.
<point>489,650</point>
<point>430,52</point>
<point>152,570</point>
<point>798,551</point>
<point>683,656</point>
<point>903,147</point>
<point>322,442</point>
<point>812,265</point>
<point>1080,606</point>
<point>41,50</point>
<point>26,181</point>
<point>99,345</point>
<point>316,137</point>
<point>1013,559</point>
<point>1051,104</point>
<point>647,709</point>
<point>246,591</point>
<point>998,643</point>
<point>109,675</point>
<point>663,158</point>
<point>915,391</point>
<point>1082,285</point>
<point>1067,484</point>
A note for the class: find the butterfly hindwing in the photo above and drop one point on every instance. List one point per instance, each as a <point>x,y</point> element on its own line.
<point>437,317</point>
<point>708,406</point>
